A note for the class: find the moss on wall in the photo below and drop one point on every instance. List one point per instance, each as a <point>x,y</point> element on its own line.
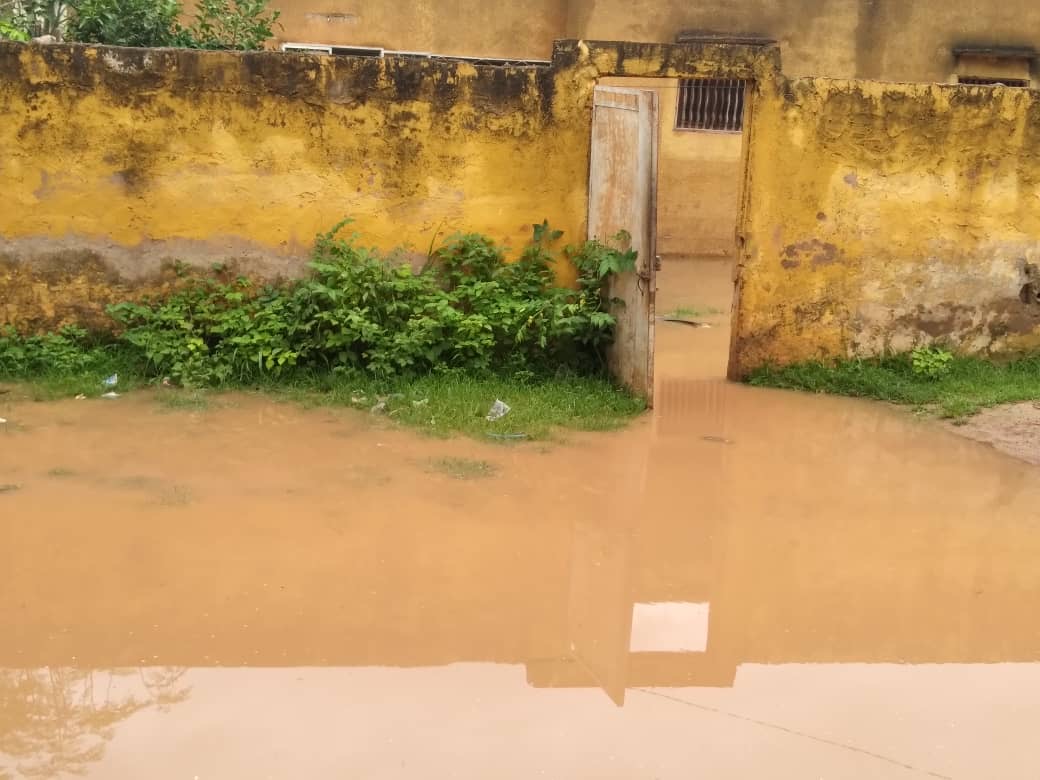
<point>883,216</point>
<point>138,156</point>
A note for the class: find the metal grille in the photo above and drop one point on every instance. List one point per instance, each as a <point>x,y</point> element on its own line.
<point>711,104</point>
<point>984,82</point>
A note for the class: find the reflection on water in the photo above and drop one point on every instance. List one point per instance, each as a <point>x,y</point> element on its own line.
<point>819,587</point>
<point>57,721</point>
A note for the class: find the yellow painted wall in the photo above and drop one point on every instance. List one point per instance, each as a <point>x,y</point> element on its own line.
<point>458,27</point>
<point>118,159</point>
<point>895,40</point>
<point>899,40</point>
<point>883,216</point>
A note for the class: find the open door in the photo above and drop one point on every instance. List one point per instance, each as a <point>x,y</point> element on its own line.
<point>623,196</point>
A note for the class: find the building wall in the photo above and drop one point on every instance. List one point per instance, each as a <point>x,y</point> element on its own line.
<point>875,216</point>
<point>118,159</point>
<point>876,39</point>
<point>458,27</point>
<point>884,216</point>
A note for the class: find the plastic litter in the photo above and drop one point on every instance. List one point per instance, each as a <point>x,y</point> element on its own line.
<point>110,394</point>
<point>498,410</point>
<point>81,397</point>
<point>3,421</point>
<point>110,381</point>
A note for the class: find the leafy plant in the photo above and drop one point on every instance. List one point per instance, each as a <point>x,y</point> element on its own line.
<point>930,362</point>
<point>125,22</point>
<point>10,31</point>
<point>231,24</point>
<point>21,20</point>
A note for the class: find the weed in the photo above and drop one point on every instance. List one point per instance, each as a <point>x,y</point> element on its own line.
<point>965,384</point>
<point>930,362</point>
<point>183,400</point>
<point>464,330</point>
<point>692,312</point>
<point>463,468</point>
<point>9,487</point>
<point>60,472</point>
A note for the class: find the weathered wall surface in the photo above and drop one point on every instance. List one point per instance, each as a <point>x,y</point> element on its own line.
<point>883,216</point>
<point>128,157</point>
<point>472,28</point>
<point>894,40</point>
<point>118,159</point>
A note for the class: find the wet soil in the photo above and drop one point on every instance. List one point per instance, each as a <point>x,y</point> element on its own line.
<point>1014,429</point>
<point>746,583</point>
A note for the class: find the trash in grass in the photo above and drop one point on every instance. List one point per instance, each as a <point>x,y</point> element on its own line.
<point>380,405</point>
<point>357,399</point>
<point>110,381</point>
<point>81,397</point>
<point>421,402</point>
<point>498,410</point>
<point>110,394</point>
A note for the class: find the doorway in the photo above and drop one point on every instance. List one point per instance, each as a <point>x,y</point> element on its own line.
<point>700,139</point>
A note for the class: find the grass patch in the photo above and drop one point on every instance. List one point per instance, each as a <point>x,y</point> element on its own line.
<point>9,487</point>
<point>174,400</point>
<point>692,312</point>
<point>61,473</point>
<point>463,468</point>
<point>447,403</point>
<point>967,385</point>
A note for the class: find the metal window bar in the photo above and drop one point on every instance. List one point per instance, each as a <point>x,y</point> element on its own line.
<point>710,104</point>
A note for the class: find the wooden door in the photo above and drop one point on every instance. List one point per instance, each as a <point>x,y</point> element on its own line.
<point>623,197</point>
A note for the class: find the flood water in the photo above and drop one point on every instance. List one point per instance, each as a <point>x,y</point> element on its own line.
<point>744,584</point>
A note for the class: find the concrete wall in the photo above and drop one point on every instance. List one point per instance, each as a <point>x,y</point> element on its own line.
<point>883,216</point>
<point>876,39</point>
<point>459,27</point>
<point>116,159</point>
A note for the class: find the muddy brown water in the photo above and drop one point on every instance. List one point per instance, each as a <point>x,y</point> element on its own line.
<point>745,584</point>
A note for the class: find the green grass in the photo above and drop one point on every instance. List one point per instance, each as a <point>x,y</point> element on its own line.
<point>690,312</point>
<point>969,385</point>
<point>440,404</point>
<point>463,468</point>
<point>179,400</point>
<point>443,404</point>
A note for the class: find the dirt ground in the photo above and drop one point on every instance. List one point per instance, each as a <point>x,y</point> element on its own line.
<point>1014,429</point>
<point>745,583</point>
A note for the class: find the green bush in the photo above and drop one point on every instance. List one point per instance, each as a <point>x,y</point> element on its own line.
<point>125,22</point>
<point>231,24</point>
<point>930,362</point>
<point>360,312</point>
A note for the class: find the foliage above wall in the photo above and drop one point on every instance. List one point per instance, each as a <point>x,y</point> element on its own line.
<point>217,24</point>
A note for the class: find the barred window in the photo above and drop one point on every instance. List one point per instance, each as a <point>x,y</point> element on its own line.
<point>992,82</point>
<point>711,104</point>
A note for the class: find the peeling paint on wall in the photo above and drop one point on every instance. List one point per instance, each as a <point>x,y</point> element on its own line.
<point>931,228</point>
<point>141,156</point>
